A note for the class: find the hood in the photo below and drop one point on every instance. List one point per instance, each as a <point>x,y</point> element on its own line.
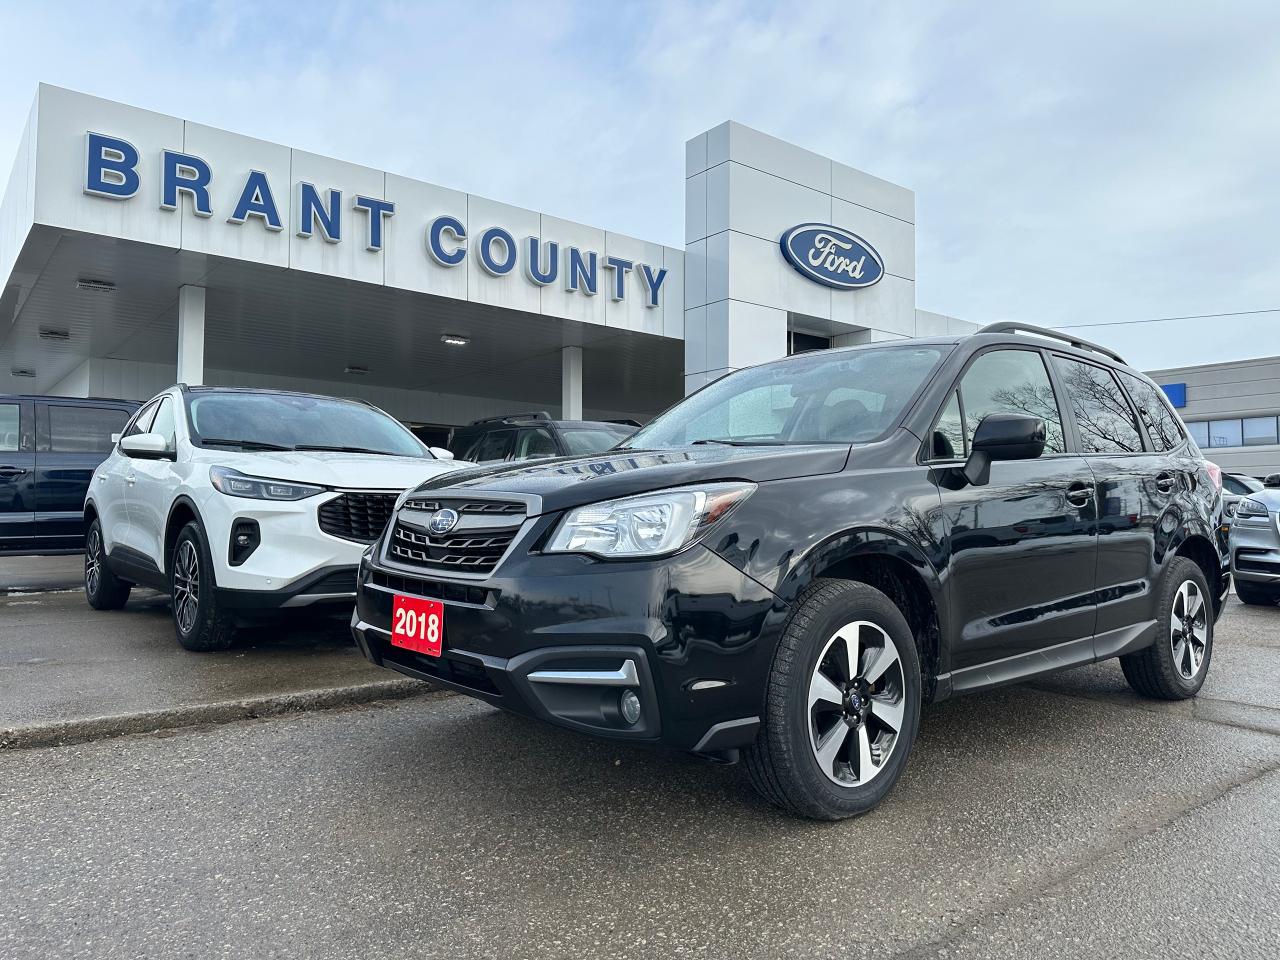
<point>331,469</point>
<point>557,484</point>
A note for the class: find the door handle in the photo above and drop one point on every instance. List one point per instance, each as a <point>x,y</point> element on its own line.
<point>1165,482</point>
<point>130,479</point>
<point>8,472</point>
<point>1080,493</point>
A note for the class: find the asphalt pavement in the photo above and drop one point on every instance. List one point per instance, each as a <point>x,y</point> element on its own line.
<point>1061,819</point>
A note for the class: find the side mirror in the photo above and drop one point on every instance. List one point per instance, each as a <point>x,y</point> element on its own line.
<point>145,446</point>
<point>1271,480</point>
<point>440,453</point>
<point>1003,436</point>
<point>115,438</point>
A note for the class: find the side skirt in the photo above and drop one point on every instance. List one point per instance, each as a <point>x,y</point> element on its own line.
<point>136,567</point>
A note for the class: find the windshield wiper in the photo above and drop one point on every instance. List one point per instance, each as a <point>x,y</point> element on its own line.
<point>242,444</point>
<point>740,443</point>
<point>340,449</point>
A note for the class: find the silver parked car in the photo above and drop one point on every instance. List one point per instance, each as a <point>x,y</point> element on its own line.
<point>1255,548</point>
<point>1234,487</point>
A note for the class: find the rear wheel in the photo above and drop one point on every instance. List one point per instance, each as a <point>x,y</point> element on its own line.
<point>1257,594</point>
<point>1174,667</point>
<point>200,622</point>
<point>842,704</point>
<point>102,588</point>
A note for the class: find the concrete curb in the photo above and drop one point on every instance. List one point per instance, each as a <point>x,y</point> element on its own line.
<point>83,730</point>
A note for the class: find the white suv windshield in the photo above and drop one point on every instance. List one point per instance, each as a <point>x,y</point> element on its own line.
<point>282,421</point>
<point>823,397</point>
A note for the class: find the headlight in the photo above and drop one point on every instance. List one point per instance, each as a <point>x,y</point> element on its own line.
<point>648,525</point>
<point>1251,508</point>
<point>236,484</point>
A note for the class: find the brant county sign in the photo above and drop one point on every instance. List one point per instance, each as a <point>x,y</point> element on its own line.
<point>832,256</point>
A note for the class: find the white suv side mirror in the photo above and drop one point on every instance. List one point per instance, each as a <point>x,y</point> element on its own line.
<point>440,453</point>
<point>145,446</point>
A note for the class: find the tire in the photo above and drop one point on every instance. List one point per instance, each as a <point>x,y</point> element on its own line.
<point>200,622</point>
<point>1174,667</point>
<point>784,763</point>
<point>1257,594</point>
<point>102,588</point>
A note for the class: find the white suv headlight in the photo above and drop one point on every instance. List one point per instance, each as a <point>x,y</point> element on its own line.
<point>648,525</point>
<point>236,484</point>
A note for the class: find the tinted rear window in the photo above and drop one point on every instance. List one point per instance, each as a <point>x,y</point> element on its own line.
<point>74,429</point>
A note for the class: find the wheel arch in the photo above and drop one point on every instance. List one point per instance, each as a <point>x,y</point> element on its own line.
<point>898,568</point>
<point>1199,549</point>
<point>182,511</point>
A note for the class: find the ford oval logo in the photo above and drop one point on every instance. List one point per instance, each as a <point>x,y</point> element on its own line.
<point>831,256</point>
<point>442,521</point>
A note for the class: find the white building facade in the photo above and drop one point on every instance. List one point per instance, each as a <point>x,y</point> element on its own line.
<point>138,249</point>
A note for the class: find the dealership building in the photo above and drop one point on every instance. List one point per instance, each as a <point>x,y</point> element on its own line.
<point>138,250</point>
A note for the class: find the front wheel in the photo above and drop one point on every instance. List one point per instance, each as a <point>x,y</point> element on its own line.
<point>1174,667</point>
<point>102,588</point>
<point>200,622</point>
<point>842,704</point>
<point>1257,594</point>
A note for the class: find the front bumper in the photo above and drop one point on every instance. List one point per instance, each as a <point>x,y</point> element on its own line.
<point>329,588</point>
<point>692,635</point>
<point>1255,549</point>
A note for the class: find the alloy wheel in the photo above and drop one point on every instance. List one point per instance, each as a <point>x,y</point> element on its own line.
<point>186,586</point>
<point>93,561</point>
<point>857,701</point>
<point>1188,630</point>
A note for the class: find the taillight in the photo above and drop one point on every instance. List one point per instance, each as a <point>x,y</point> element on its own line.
<point>1215,473</point>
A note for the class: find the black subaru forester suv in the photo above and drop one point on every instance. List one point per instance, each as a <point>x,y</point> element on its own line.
<point>787,564</point>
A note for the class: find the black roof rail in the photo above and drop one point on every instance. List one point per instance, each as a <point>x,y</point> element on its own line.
<point>1012,326</point>
<point>625,422</point>
<point>513,417</point>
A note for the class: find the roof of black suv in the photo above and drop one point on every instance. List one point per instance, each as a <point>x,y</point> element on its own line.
<point>55,399</point>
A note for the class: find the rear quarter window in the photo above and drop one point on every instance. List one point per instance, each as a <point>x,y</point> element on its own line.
<point>77,429</point>
<point>1161,423</point>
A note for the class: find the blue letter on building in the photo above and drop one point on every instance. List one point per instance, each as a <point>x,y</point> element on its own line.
<point>378,209</point>
<point>582,272</point>
<point>533,261</point>
<point>446,258</point>
<point>111,167</point>
<point>312,212</point>
<point>184,173</point>
<point>497,267</point>
<point>256,201</point>
<point>619,268</point>
<point>653,281</point>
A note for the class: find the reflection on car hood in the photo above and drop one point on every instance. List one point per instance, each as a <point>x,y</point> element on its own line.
<point>570,481</point>
<point>331,469</point>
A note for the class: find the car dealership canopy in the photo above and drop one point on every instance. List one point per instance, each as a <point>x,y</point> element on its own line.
<point>137,249</point>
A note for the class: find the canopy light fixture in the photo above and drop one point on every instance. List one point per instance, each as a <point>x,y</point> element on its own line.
<point>356,371</point>
<point>96,286</point>
<point>61,336</point>
<point>22,372</point>
<point>455,340</point>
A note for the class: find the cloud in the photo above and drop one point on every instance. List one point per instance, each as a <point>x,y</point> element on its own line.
<point>1074,163</point>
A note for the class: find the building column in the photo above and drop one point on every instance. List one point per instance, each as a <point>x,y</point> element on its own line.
<point>571,383</point>
<point>191,335</point>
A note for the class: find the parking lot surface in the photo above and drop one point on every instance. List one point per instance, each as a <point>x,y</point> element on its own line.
<point>1066,818</point>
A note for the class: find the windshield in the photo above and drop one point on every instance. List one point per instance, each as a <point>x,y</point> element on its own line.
<point>821,397</point>
<point>595,438</point>
<point>285,421</point>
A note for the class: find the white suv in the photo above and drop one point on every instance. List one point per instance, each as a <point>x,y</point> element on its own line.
<point>238,502</point>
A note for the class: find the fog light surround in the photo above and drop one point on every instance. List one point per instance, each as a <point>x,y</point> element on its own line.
<point>629,707</point>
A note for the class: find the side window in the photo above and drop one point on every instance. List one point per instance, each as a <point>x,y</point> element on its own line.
<point>1103,415</point>
<point>947,441</point>
<point>10,421</point>
<point>534,443</point>
<point>163,425</point>
<point>1011,381</point>
<point>1162,426</point>
<point>74,429</point>
<point>142,424</point>
<point>492,446</point>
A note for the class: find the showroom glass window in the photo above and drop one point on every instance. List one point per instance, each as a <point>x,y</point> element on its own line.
<point>75,429</point>
<point>1199,430</point>
<point>1009,381</point>
<point>1225,433</point>
<point>1258,431</point>
<point>1162,425</point>
<point>1104,418</point>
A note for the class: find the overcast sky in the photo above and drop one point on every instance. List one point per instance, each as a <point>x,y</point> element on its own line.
<point>1073,163</point>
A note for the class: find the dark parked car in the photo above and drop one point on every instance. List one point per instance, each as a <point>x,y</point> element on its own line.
<point>791,561</point>
<point>49,448</point>
<point>529,436</point>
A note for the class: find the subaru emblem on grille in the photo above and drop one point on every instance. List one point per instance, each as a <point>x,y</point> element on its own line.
<point>442,521</point>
